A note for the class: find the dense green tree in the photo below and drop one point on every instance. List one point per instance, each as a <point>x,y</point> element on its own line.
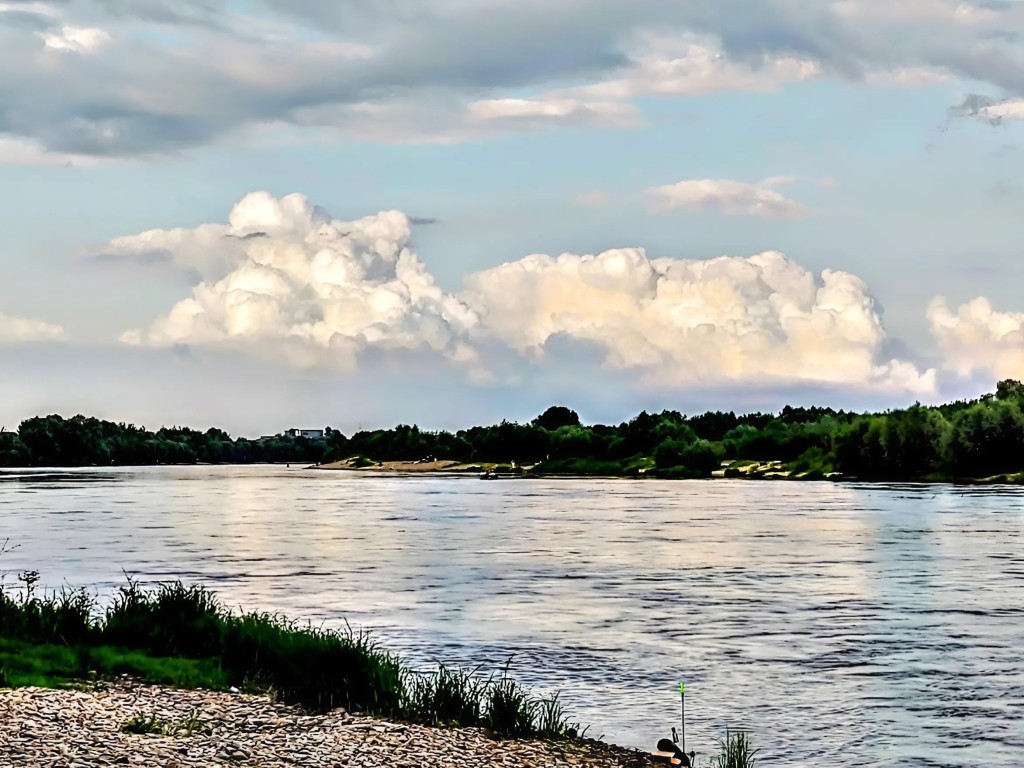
<point>555,417</point>
<point>13,452</point>
<point>1010,389</point>
<point>700,456</point>
<point>572,442</point>
<point>703,456</point>
<point>669,453</point>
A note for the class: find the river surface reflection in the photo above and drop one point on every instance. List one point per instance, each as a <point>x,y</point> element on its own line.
<point>842,624</point>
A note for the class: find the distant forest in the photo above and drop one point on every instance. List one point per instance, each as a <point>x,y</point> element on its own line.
<point>973,439</point>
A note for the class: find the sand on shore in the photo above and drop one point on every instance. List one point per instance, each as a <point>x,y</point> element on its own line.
<point>441,465</point>
<point>83,729</point>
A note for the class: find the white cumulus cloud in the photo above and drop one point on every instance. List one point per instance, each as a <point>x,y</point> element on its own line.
<point>75,39</point>
<point>979,339</point>
<point>1010,109</point>
<point>686,64</point>
<point>735,198</point>
<point>19,329</point>
<point>283,278</point>
<point>551,110</point>
<point>734,319</point>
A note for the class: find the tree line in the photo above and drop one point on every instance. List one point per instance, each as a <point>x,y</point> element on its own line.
<point>966,439</point>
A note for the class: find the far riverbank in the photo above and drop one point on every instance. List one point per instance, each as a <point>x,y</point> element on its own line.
<point>736,470</point>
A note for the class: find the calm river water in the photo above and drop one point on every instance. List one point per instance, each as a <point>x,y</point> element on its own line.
<point>842,624</point>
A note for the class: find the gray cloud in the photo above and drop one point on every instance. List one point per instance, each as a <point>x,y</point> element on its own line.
<point>989,110</point>
<point>26,19</point>
<point>173,76</point>
<point>353,16</point>
<point>248,235</point>
<point>973,105</point>
<point>204,13</point>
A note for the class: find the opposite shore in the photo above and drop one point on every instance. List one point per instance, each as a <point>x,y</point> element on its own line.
<point>739,470</point>
<point>978,440</point>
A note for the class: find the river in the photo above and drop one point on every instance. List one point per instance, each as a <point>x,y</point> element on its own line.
<point>842,624</point>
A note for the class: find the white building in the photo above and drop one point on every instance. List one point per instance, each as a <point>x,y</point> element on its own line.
<point>312,434</point>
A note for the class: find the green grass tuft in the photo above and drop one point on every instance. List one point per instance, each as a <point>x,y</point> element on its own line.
<point>189,726</point>
<point>447,696</point>
<point>736,751</point>
<point>143,726</point>
<point>510,712</point>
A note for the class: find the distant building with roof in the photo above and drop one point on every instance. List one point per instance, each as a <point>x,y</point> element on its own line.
<point>311,434</point>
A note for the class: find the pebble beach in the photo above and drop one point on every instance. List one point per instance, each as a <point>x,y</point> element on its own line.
<point>48,728</point>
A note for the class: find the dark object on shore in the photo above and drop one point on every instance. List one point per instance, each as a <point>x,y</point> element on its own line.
<point>675,755</point>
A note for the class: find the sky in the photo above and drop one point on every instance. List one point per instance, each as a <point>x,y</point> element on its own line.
<point>260,214</point>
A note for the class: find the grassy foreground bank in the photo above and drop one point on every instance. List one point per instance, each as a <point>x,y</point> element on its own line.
<point>182,636</point>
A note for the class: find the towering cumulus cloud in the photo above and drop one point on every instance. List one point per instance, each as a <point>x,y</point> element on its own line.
<point>978,339</point>
<point>282,277</point>
<point>738,319</point>
<point>285,278</point>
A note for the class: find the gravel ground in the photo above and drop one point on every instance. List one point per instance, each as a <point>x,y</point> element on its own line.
<point>45,728</point>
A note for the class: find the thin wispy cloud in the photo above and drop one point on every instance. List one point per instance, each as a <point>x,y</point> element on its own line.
<point>18,330</point>
<point>550,111</point>
<point>732,198</point>
<point>595,198</point>
<point>17,151</point>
